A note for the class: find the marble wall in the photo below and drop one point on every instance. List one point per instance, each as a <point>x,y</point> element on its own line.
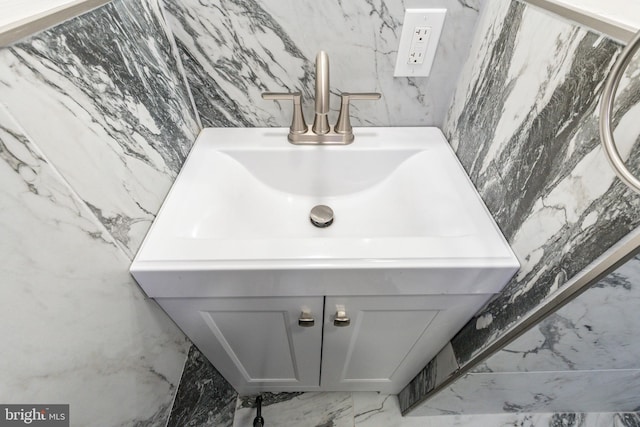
<point>538,164</point>
<point>234,50</point>
<point>95,122</point>
<point>581,358</point>
<point>204,397</point>
<point>524,123</point>
<point>96,118</point>
<point>104,98</point>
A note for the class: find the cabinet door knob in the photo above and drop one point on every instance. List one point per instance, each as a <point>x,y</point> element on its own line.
<point>306,320</point>
<point>341,320</point>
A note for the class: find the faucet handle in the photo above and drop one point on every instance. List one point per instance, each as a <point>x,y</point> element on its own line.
<point>343,125</point>
<point>298,125</point>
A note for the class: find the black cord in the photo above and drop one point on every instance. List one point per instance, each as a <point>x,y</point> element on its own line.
<point>258,421</point>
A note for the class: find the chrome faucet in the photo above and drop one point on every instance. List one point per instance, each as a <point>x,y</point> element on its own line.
<point>321,132</point>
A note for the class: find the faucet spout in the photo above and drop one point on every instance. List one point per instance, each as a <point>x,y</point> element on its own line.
<point>321,120</point>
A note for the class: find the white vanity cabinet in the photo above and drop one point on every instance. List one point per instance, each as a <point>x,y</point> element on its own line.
<point>377,343</point>
<point>234,258</point>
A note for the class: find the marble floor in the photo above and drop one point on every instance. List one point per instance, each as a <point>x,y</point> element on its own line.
<point>205,399</point>
<point>376,410</point>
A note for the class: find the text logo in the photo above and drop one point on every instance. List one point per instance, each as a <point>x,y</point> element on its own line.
<point>34,415</point>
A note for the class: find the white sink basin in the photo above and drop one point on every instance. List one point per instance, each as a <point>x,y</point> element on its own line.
<point>401,201</point>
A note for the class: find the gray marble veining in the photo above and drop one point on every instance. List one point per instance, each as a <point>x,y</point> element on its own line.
<point>583,357</point>
<point>95,121</point>
<point>104,98</point>
<point>538,180</point>
<point>375,410</point>
<point>236,49</point>
<point>204,397</point>
<point>524,125</point>
<point>544,392</point>
<point>596,331</point>
<point>438,369</point>
<point>75,327</point>
<point>627,420</point>
<point>298,409</point>
<point>268,399</point>
<point>370,409</point>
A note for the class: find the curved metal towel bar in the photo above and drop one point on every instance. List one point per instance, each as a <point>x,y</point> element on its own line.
<point>606,111</point>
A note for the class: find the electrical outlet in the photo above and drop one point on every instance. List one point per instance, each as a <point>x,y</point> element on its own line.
<point>419,44</point>
<point>421,31</point>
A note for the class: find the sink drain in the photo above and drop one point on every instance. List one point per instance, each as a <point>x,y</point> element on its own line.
<point>321,216</point>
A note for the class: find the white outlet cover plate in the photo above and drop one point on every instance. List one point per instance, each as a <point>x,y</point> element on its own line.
<point>413,18</point>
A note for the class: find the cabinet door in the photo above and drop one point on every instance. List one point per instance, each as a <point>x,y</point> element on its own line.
<point>389,338</point>
<point>255,343</point>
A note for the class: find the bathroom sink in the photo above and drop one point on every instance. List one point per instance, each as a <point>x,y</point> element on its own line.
<point>402,203</point>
